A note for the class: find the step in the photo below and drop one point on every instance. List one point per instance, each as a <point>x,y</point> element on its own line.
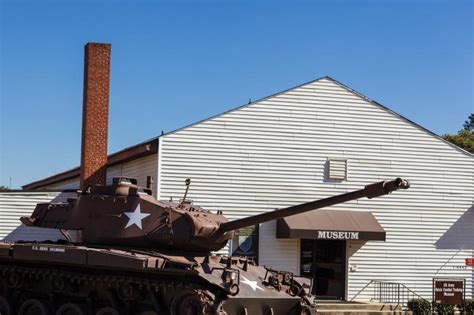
<point>362,312</point>
<point>369,306</point>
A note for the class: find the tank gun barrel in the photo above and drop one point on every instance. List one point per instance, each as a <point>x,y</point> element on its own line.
<point>369,191</point>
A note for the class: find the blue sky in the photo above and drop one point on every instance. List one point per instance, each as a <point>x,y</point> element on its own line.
<point>177,62</point>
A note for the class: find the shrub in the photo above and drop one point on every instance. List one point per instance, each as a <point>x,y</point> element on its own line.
<point>444,309</point>
<point>469,307</point>
<point>419,306</point>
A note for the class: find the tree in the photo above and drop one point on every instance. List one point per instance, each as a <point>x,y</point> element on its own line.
<point>469,124</point>
<point>4,188</point>
<point>465,137</point>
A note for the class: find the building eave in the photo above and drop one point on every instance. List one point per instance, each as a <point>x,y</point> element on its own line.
<point>140,150</point>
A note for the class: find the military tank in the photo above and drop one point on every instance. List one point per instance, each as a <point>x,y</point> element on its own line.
<point>125,252</point>
<point>139,255</point>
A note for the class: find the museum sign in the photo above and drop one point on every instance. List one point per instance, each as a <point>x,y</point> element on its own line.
<point>448,291</point>
<point>337,235</point>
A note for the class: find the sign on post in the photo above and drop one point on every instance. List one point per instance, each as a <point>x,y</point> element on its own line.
<point>448,291</point>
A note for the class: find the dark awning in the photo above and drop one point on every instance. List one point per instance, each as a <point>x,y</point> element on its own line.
<point>331,224</point>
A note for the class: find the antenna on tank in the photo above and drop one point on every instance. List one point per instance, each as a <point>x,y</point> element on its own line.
<point>187,182</point>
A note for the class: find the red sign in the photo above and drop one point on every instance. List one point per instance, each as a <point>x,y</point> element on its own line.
<point>470,262</point>
<point>448,291</point>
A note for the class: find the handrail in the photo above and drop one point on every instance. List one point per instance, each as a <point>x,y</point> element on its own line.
<point>394,292</point>
<point>362,290</point>
<point>389,292</point>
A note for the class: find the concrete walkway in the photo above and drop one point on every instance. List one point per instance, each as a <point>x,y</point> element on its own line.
<point>358,308</point>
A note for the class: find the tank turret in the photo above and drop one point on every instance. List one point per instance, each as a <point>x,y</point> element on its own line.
<point>126,215</point>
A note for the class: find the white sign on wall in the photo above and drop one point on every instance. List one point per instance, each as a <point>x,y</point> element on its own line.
<point>338,235</point>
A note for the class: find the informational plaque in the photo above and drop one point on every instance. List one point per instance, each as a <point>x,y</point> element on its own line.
<point>448,291</point>
<point>470,262</point>
<point>245,242</point>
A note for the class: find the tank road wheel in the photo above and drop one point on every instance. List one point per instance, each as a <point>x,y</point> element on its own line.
<point>34,307</point>
<point>57,284</point>
<point>72,309</point>
<point>5,308</point>
<point>14,280</point>
<point>187,303</point>
<point>107,311</point>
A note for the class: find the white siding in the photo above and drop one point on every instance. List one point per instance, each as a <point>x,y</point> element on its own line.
<point>273,153</point>
<point>281,255</point>
<point>14,205</point>
<point>138,168</point>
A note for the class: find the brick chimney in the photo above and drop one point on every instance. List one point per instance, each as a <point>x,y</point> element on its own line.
<point>95,114</point>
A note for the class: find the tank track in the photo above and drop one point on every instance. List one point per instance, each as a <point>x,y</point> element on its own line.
<point>42,289</point>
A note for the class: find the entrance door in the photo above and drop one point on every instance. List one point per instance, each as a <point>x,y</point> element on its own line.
<point>325,262</point>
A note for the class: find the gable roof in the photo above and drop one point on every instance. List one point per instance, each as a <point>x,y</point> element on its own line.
<point>401,117</point>
<point>150,146</point>
<point>414,124</point>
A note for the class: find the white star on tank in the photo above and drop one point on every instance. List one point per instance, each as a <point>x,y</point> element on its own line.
<point>136,217</point>
<point>252,284</point>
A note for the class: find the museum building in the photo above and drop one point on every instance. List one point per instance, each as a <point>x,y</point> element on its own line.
<point>313,141</point>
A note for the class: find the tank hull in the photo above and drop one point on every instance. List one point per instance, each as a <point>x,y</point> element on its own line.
<point>132,282</point>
